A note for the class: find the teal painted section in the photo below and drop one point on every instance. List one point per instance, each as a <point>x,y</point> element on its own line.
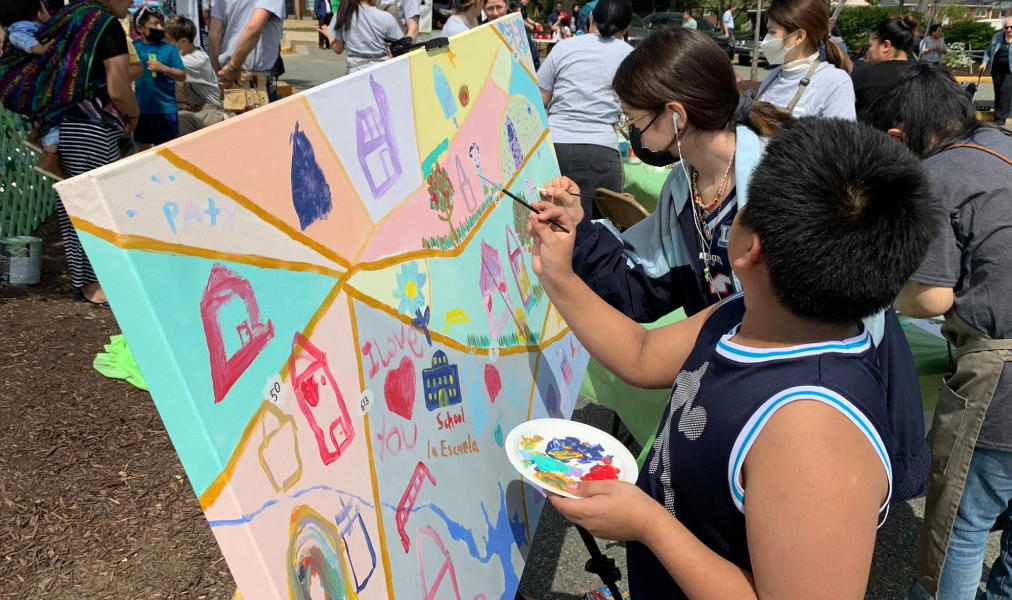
<point>204,433</point>
<point>433,157</point>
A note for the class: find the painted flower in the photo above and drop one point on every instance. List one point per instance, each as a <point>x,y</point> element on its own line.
<point>409,289</point>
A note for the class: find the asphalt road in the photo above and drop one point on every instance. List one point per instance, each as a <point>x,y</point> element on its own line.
<point>555,565</point>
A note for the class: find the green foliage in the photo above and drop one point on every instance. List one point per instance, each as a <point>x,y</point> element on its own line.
<point>446,242</point>
<point>976,35</point>
<point>957,61</point>
<point>857,23</point>
<point>477,341</point>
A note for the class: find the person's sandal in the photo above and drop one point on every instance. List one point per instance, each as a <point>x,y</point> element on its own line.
<point>80,297</point>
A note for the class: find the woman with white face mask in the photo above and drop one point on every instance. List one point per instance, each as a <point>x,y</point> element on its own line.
<point>812,74</point>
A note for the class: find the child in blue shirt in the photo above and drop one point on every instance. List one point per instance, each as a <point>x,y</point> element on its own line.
<point>156,88</point>
<point>771,469</point>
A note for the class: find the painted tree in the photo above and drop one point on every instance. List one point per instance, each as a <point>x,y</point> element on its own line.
<point>520,213</point>
<point>441,197</point>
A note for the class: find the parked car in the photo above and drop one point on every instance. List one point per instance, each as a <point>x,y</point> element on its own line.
<point>641,28</point>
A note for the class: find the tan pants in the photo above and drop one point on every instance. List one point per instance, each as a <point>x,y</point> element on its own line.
<point>190,121</point>
<point>962,403</point>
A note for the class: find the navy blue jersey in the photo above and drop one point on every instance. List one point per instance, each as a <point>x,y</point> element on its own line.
<point>711,236</point>
<point>722,398</point>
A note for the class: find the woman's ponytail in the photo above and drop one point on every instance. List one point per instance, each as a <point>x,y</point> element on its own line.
<point>836,56</point>
<point>612,16</point>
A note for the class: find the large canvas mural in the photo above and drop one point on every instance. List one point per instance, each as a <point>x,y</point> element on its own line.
<point>339,324</point>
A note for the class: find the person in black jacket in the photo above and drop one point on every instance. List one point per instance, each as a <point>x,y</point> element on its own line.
<point>680,98</point>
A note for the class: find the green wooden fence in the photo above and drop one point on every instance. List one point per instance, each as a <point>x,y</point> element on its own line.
<point>26,196</point>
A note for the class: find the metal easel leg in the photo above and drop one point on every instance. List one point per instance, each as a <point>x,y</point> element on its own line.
<point>601,564</point>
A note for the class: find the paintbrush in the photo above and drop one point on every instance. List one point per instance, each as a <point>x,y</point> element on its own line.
<point>522,203</point>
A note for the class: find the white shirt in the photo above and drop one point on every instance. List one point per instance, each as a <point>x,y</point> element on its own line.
<point>453,26</point>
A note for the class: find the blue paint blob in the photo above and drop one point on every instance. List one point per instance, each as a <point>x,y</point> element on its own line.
<point>131,213</point>
<point>172,177</point>
<point>310,190</point>
<point>154,178</point>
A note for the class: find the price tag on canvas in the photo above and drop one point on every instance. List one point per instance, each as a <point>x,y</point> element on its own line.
<point>275,391</point>
<point>365,402</point>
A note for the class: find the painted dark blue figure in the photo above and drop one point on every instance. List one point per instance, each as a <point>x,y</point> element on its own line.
<point>310,190</point>
<point>421,323</point>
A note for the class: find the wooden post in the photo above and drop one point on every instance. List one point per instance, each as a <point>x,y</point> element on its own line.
<point>755,39</point>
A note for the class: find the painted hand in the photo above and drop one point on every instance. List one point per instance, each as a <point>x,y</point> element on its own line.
<point>563,191</point>
<point>552,257</point>
<point>610,510</point>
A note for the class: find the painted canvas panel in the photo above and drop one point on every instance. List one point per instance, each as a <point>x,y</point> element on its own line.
<point>339,322</point>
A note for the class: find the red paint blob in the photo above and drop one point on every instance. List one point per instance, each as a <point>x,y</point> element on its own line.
<point>602,472</point>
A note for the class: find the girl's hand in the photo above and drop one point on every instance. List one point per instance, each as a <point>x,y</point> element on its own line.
<point>563,191</point>
<point>610,510</point>
<point>552,257</point>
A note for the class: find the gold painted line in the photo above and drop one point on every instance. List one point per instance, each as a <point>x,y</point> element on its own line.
<point>210,495</point>
<point>246,203</point>
<point>140,242</point>
<point>384,552</point>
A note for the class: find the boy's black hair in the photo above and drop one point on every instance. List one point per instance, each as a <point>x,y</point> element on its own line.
<point>929,107</point>
<point>844,216</point>
<point>12,11</point>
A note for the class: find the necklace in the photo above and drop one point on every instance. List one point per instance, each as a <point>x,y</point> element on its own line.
<point>698,198</point>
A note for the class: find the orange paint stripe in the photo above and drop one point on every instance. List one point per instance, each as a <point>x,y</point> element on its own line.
<point>436,336</point>
<point>220,482</point>
<point>390,261</point>
<point>140,242</point>
<point>384,552</point>
<point>246,203</point>
<point>213,491</point>
<point>558,336</point>
<point>498,33</point>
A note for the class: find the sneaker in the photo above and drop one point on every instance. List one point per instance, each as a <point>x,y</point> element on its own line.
<point>34,142</point>
<point>49,165</point>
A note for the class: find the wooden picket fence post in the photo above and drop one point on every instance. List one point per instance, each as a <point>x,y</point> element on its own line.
<point>26,196</point>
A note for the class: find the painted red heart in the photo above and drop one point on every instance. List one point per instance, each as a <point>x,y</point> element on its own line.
<point>399,389</point>
<point>493,382</point>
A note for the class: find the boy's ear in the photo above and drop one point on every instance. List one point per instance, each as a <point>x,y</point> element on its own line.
<point>751,256</point>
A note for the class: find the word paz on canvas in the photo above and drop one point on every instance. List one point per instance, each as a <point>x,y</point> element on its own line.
<point>192,215</point>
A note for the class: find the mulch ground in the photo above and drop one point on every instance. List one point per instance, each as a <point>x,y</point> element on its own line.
<point>93,500</point>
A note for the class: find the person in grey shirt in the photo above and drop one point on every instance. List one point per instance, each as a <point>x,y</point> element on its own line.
<point>246,36</point>
<point>575,82</point>
<point>933,46</point>
<point>967,276</point>
<point>687,21</point>
<point>362,30</point>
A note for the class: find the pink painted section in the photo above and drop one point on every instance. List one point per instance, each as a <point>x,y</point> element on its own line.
<point>481,127</point>
<point>259,146</point>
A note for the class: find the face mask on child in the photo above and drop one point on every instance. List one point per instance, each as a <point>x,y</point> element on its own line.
<point>156,35</point>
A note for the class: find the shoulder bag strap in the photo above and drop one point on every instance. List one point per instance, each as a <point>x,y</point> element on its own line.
<point>801,87</point>
<point>988,150</point>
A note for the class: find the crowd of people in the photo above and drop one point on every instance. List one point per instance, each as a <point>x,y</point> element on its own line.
<point>825,224</point>
<point>145,82</point>
<point>795,221</point>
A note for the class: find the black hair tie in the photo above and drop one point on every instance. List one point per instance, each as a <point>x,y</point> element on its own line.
<point>745,101</point>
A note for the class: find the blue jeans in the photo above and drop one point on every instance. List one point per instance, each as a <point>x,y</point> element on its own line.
<point>987,498</point>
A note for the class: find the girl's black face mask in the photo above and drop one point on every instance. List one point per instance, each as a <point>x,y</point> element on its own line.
<point>156,35</point>
<point>648,156</point>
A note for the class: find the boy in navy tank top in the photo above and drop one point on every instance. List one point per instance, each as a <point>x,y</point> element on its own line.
<point>777,394</point>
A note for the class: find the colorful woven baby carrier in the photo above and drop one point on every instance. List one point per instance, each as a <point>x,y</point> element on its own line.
<point>58,79</point>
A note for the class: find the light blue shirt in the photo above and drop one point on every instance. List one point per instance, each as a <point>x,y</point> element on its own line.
<point>22,35</point>
<point>728,20</point>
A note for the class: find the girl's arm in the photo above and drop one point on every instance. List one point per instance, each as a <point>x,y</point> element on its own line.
<point>642,358</point>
